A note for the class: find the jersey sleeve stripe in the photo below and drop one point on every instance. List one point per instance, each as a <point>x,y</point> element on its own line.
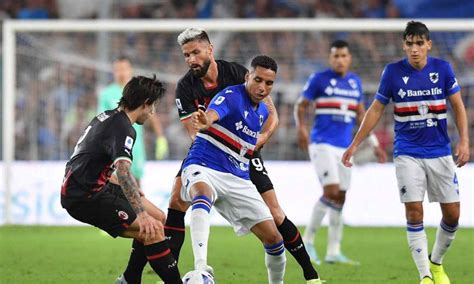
<point>122,158</point>
<point>381,98</point>
<point>185,117</point>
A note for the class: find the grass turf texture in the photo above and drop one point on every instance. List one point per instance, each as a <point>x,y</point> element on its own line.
<point>37,254</point>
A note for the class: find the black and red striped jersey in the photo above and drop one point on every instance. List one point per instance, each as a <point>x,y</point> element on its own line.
<point>191,92</point>
<point>108,138</point>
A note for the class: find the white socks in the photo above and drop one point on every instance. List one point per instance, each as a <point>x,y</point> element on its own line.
<point>334,232</point>
<point>319,211</point>
<point>275,260</point>
<point>418,244</point>
<point>444,236</point>
<point>200,230</point>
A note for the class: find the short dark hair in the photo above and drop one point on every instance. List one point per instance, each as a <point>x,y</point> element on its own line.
<point>415,28</point>
<point>141,90</point>
<point>339,44</point>
<point>192,34</point>
<point>264,61</point>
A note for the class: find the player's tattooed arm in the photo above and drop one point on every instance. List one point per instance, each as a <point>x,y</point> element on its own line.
<point>270,124</point>
<point>129,185</point>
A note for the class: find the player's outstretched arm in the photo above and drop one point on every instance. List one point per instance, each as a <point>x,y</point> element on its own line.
<point>148,227</point>
<point>202,120</point>
<point>299,113</point>
<point>462,148</point>
<point>270,124</point>
<point>371,118</point>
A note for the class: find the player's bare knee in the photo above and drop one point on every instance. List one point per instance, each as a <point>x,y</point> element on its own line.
<point>200,188</point>
<point>451,217</point>
<point>331,192</point>
<point>451,212</point>
<point>414,215</point>
<point>272,238</point>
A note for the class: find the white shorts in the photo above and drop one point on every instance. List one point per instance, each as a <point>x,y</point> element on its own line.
<point>236,199</point>
<point>437,176</point>
<point>326,159</point>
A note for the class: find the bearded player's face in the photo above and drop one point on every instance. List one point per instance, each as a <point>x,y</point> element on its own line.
<point>197,55</point>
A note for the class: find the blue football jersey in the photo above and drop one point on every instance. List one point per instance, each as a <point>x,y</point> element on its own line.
<point>420,106</point>
<point>228,144</point>
<point>335,101</point>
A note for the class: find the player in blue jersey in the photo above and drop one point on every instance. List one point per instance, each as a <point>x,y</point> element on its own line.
<point>337,96</point>
<point>419,86</point>
<point>216,170</point>
<point>205,78</point>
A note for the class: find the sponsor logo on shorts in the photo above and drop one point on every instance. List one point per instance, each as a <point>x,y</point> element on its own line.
<point>122,215</point>
<point>403,190</point>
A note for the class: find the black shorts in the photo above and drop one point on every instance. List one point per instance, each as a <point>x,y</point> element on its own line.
<point>108,210</point>
<point>258,174</point>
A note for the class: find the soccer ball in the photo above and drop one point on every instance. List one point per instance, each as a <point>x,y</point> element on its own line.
<point>198,277</point>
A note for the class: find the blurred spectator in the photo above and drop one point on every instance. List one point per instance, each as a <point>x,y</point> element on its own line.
<point>38,9</point>
<point>59,73</point>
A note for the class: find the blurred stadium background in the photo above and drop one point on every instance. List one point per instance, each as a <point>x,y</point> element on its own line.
<point>59,75</point>
<point>63,72</point>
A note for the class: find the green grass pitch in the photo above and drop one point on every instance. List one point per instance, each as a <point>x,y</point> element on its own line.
<point>37,254</point>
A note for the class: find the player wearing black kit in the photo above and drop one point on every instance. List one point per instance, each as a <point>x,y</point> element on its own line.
<point>99,189</point>
<point>195,89</point>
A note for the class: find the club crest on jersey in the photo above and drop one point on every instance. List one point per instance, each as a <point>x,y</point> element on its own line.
<point>261,120</point>
<point>434,77</point>
<point>333,82</point>
<point>423,109</point>
<point>405,79</point>
<point>129,143</point>
<point>122,215</point>
<point>353,83</point>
